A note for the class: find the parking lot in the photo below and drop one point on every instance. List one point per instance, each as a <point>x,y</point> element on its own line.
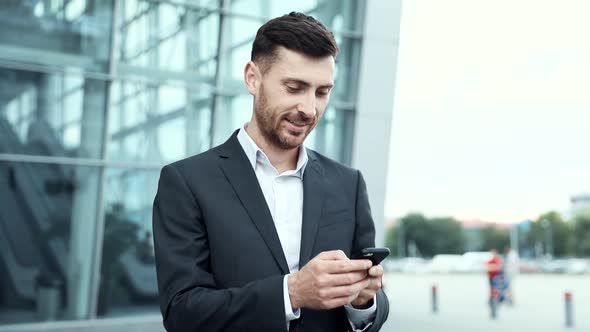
<point>463,303</point>
<point>474,262</point>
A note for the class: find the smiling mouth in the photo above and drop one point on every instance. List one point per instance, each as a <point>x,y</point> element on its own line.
<point>298,124</point>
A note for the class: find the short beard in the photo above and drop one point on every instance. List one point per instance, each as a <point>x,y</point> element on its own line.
<point>264,117</point>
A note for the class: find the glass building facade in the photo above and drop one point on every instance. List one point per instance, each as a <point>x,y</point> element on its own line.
<point>95,97</point>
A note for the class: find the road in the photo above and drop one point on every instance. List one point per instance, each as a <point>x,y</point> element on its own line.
<point>463,303</point>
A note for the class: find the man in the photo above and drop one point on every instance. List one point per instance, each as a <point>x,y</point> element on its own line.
<point>256,234</point>
<point>511,270</point>
<point>494,267</point>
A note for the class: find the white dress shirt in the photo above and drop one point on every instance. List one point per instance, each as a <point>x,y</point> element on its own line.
<point>284,196</point>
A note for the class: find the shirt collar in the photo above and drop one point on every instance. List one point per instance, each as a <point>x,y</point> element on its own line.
<point>254,153</point>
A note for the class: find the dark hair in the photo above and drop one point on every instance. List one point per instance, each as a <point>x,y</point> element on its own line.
<point>295,31</point>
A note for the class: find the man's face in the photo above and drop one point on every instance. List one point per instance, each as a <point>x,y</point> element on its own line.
<point>291,97</point>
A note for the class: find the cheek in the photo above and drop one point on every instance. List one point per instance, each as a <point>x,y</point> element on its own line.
<point>321,110</point>
<point>321,105</point>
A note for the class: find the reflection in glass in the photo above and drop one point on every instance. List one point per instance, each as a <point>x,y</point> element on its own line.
<point>169,37</point>
<point>266,9</point>
<point>52,114</point>
<point>44,258</point>
<point>65,33</point>
<point>128,275</point>
<point>336,15</point>
<point>157,124</point>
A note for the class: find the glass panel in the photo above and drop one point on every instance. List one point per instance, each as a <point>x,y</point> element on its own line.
<point>339,16</point>
<point>332,136</point>
<point>60,33</point>
<point>157,124</point>
<point>170,37</point>
<point>346,68</point>
<point>336,15</point>
<point>47,214</point>
<point>51,114</point>
<point>128,275</point>
<point>266,9</point>
<point>241,107</point>
<point>242,33</point>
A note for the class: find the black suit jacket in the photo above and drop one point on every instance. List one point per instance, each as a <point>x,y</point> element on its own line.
<point>219,260</point>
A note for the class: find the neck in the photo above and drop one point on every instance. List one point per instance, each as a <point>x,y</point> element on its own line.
<point>281,159</point>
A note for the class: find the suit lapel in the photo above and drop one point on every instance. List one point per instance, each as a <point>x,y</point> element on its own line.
<point>313,200</point>
<point>239,172</point>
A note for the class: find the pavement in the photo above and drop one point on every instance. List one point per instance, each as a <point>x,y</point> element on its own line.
<point>462,303</point>
<point>539,303</point>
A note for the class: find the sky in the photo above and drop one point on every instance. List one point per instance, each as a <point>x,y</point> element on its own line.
<point>491,117</point>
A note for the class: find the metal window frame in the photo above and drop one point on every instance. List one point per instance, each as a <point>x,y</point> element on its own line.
<point>102,180</point>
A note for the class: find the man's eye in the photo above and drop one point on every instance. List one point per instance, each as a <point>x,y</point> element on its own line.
<point>322,93</point>
<point>293,89</point>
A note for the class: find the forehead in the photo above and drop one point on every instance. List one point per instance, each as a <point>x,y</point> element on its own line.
<point>295,65</point>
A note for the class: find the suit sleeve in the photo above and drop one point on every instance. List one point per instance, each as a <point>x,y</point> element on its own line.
<point>365,237</point>
<point>189,297</point>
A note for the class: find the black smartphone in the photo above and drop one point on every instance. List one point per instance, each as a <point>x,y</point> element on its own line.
<point>375,255</point>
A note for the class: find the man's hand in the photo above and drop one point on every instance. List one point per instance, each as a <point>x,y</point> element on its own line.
<point>363,301</point>
<point>328,281</point>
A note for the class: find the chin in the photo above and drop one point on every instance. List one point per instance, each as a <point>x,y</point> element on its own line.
<point>290,142</point>
<point>295,138</point>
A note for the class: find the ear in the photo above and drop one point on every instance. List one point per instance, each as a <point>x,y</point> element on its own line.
<point>252,77</point>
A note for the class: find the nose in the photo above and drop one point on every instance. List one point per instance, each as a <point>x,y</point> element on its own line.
<point>308,105</point>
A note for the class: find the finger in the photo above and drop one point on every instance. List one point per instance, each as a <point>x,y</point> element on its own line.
<point>332,255</point>
<point>376,271</point>
<point>349,278</point>
<point>374,284</point>
<point>338,301</point>
<point>343,291</point>
<point>367,293</point>
<point>344,266</point>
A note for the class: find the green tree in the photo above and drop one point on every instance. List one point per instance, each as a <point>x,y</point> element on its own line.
<point>549,233</point>
<point>582,235</point>
<point>415,232</point>
<point>494,238</point>
<point>448,236</point>
<point>558,234</point>
<point>391,241</point>
<point>427,237</point>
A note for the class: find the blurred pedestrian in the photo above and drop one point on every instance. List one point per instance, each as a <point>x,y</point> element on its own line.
<point>494,267</point>
<point>511,270</point>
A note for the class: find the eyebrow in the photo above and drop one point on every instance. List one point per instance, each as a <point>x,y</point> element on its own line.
<point>304,83</point>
